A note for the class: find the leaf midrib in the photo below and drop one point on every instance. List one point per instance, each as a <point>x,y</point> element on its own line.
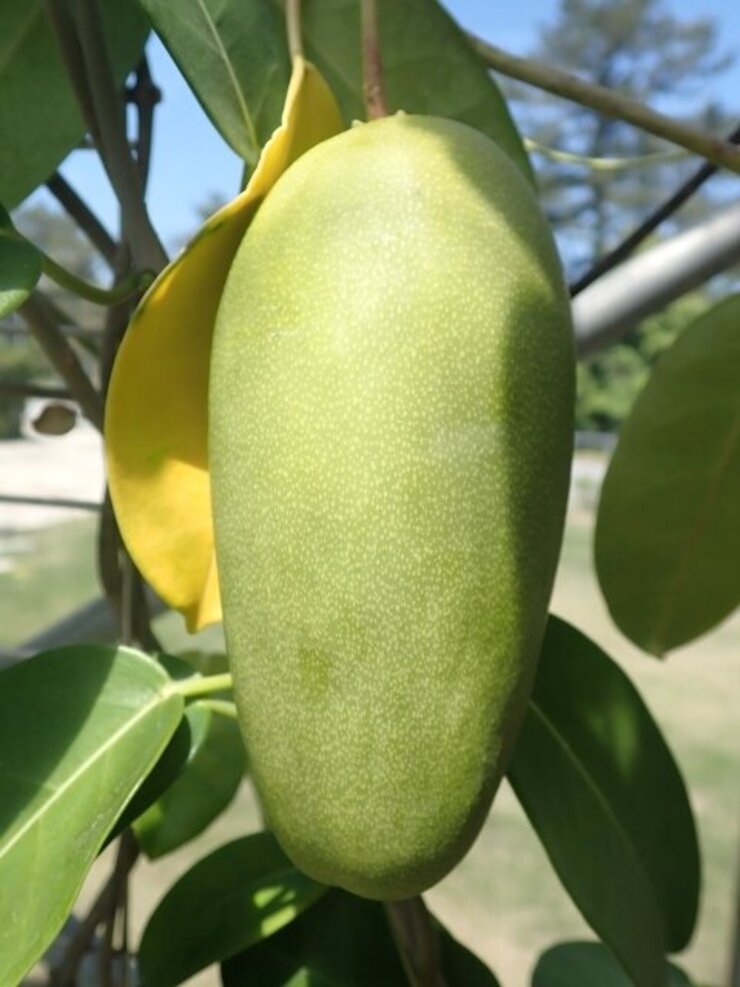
<point>598,795</point>
<point>159,698</point>
<point>22,35</point>
<point>246,116</point>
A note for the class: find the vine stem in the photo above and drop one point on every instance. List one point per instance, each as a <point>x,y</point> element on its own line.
<point>373,83</point>
<point>606,164</point>
<point>609,102</point>
<point>133,284</point>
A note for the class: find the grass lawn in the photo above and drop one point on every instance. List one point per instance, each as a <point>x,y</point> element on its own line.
<point>47,574</point>
<point>503,900</point>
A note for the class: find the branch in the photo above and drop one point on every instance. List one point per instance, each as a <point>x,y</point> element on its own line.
<point>85,218</point>
<point>48,335</point>
<point>608,102</point>
<point>653,221</point>
<point>417,940</point>
<point>82,44</point>
<point>145,96</point>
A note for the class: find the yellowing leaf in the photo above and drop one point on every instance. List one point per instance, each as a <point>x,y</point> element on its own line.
<point>156,415</point>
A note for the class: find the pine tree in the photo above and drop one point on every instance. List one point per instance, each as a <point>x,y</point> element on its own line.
<point>640,48</point>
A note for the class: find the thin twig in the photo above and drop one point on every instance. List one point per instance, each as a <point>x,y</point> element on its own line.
<point>417,940</point>
<point>373,86</point>
<point>734,980</point>
<point>110,115</point>
<point>85,218</point>
<point>649,225</point>
<point>121,579</point>
<point>66,502</point>
<point>65,973</point>
<point>46,332</point>
<point>610,103</point>
<point>10,390</point>
<point>145,96</point>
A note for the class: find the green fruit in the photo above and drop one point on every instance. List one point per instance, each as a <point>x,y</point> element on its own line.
<point>390,438</point>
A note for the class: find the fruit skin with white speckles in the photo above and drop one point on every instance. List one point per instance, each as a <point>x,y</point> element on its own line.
<point>390,441</point>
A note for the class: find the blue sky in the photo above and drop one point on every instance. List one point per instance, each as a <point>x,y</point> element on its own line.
<point>191,163</point>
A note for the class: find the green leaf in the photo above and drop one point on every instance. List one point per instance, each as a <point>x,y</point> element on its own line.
<point>603,793</point>
<point>20,266</point>
<point>39,119</point>
<point>187,740</point>
<point>344,940</point>
<point>460,967</point>
<point>234,55</point>
<point>589,964</point>
<point>428,66</point>
<point>668,530</point>
<point>79,728</point>
<point>237,895</point>
<point>341,940</point>
<point>204,789</point>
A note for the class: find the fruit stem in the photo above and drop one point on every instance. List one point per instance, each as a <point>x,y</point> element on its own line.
<point>293,26</point>
<point>417,940</point>
<point>373,86</point>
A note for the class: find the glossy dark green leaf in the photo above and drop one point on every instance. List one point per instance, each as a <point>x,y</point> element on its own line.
<point>241,893</point>
<point>668,529</point>
<point>342,941</point>
<point>461,967</point>
<point>603,793</point>
<point>79,728</point>
<point>20,267</point>
<point>184,745</point>
<point>199,795</point>
<point>39,119</point>
<point>234,55</point>
<point>589,964</point>
<point>428,66</point>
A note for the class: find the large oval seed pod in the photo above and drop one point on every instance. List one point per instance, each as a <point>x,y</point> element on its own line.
<point>390,438</point>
